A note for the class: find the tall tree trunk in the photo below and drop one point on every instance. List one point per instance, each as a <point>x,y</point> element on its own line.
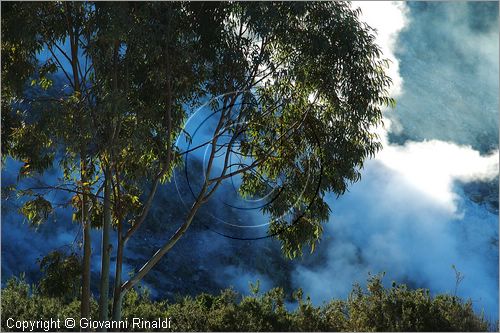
<point>106,250</point>
<point>85,307</point>
<point>73,33</point>
<point>117,294</point>
<point>103,304</point>
<point>87,251</point>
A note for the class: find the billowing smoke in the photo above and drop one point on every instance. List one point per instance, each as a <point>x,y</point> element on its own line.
<point>413,225</point>
<point>448,56</point>
<point>409,215</point>
<point>387,19</point>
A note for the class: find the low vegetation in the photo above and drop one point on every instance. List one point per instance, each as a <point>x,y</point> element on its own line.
<point>375,308</point>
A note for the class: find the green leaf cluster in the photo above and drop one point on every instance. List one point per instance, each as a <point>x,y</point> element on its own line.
<point>36,211</point>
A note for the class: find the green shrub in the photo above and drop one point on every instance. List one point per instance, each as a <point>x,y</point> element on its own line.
<point>402,309</point>
<point>24,302</point>
<point>375,309</point>
<point>61,275</point>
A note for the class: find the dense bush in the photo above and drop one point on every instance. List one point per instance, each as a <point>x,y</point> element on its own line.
<point>61,275</point>
<point>376,309</point>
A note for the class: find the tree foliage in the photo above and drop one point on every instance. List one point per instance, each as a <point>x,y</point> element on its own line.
<point>296,90</point>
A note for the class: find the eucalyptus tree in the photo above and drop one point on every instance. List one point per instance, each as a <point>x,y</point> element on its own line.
<point>44,124</point>
<point>143,62</point>
<point>151,73</point>
<point>75,124</point>
<point>302,86</point>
